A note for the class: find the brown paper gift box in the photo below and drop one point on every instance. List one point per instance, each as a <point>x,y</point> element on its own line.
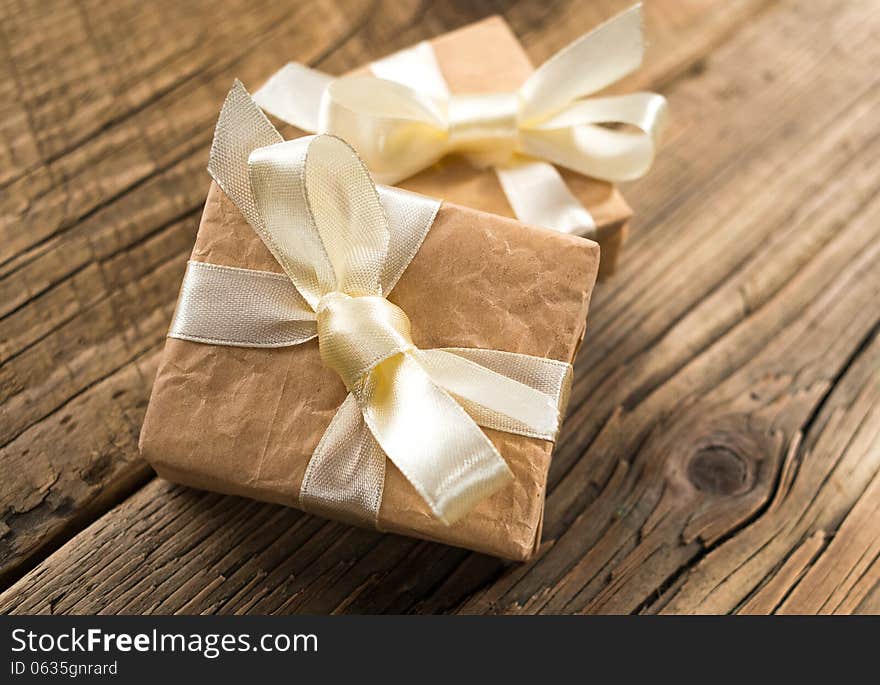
<point>487,57</point>
<point>245,421</point>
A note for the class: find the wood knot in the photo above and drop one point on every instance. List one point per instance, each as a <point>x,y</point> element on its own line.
<point>718,470</point>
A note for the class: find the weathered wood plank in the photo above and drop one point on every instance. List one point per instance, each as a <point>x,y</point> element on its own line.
<point>745,318</point>
<point>89,279</point>
<point>45,493</point>
<point>102,173</point>
<point>749,203</point>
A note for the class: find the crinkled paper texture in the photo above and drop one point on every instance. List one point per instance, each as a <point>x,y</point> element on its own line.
<point>245,421</point>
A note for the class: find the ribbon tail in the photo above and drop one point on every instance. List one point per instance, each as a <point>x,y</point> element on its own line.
<point>430,438</point>
<point>539,196</point>
<point>293,94</point>
<point>595,60</point>
<point>578,139</point>
<point>345,477</point>
<point>514,393</point>
<point>241,129</point>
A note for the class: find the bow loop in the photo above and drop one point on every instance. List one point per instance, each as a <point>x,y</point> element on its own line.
<point>345,207</point>
<point>286,227</point>
<point>321,216</point>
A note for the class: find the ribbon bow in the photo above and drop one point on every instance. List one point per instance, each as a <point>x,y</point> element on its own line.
<point>343,243</point>
<point>403,119</point>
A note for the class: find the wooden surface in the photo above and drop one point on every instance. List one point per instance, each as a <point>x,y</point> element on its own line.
<point>722,450</point>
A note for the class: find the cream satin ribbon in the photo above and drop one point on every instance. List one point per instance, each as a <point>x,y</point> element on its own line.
<point>343,243</point>
<point>404,119</point>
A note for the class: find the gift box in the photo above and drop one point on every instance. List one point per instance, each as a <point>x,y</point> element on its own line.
<point>246,421</point>
<point>472,76</point>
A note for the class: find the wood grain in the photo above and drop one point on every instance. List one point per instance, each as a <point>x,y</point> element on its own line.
<point>722,450</point>
<point>101,207</point>
<point>98,219</point>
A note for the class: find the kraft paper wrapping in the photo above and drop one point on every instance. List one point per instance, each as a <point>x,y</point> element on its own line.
<point>245,421</point>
